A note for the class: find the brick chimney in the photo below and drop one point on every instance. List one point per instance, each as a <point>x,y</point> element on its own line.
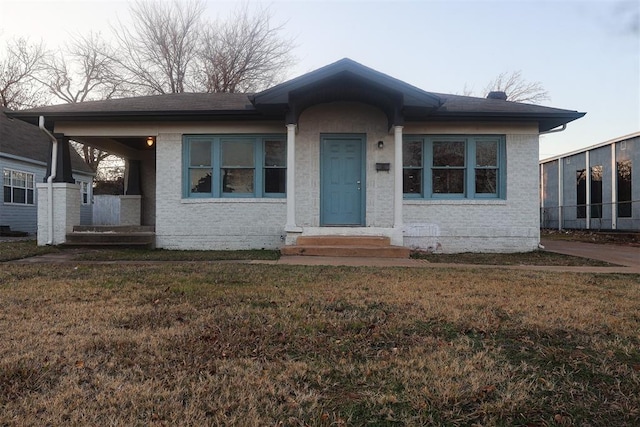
<point>497,95</point>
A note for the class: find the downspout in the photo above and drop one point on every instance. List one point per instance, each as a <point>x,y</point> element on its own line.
<point>563,127</point>
<point>50,178</point>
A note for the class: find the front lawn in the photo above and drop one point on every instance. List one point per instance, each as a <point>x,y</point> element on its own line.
<point>253,345</point>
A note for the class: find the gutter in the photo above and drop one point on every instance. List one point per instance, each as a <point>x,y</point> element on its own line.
<point>50,178</point>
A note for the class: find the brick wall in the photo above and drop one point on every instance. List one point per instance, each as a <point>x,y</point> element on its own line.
<point>210,223</point>
<point>510,225</point>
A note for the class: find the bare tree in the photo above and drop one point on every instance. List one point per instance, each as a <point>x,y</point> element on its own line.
<point>19,64</point>
<point>84,71</point>
<point>518,89</point>
<point>158,53</point>
<point>245,53</point>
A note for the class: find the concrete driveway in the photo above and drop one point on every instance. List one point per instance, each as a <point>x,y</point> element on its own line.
<point>628,256</point>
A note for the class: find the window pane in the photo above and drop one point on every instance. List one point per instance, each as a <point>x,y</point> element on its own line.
<point>486,181</point>
<point>200,180</point>
<point>412,181</point>
<point>275,153</point>
<point>237,154</point>
<point>581,193</point>
<point>30,197</point>
<point>19,179</point>
<point>624,188</point>
<point>275,180</point>
<point>30,178</point>
<point>448,153</point>
<point>19,195</point>
<point>200,152</point>
<point>237,180</point>
<point>7,194</point>
<point>7,177</point>
<point>486,153</point>
<point>412,154</point>
<point>448,181</point>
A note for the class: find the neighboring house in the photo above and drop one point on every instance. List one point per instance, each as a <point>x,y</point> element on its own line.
<point>24,153</point>
<point>593,188</point>
<point>342,150</point>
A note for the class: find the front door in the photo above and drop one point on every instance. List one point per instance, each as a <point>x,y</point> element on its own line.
<point>342,189</point>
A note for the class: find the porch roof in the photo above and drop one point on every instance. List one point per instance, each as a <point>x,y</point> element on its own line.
<point>345,80</point>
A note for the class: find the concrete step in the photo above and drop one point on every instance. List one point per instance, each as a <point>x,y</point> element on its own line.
<point>361,241</point>
<point>110,238</point>
<point>347,251</point>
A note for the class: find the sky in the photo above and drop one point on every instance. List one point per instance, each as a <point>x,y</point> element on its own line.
<point>584,53</point>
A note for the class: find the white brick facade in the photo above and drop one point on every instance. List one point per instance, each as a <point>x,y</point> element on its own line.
<point>443,225</point>
<point>211,223</point>
<point>510,225</point>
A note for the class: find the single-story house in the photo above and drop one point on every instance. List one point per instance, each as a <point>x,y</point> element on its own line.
<point>24,156</point>
<point>340,151</point>
<point>593,188</point>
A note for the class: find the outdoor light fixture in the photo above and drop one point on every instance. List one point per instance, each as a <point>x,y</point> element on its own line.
<point>380,144</point>
<point>150,141</point>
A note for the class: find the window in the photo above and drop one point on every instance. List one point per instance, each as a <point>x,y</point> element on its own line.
<point>454,167</point>
<point>596,192</point>
<point>85,193</point>
<point>235,166</point>
<point>624,189</point>
<point>581,193</point>
<point>18,187</point>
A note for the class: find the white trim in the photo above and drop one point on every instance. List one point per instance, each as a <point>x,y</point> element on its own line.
<point>587,198</point>
<point>397,176</point>
<point>291,181</point>
<point>614,188</point>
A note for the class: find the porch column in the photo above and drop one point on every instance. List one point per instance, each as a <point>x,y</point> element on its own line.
<point>63,161</point>
<point>397,176</point>
<point>291,183</point>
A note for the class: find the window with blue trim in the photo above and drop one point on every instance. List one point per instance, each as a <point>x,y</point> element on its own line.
<point>454,167</point>
<point>234,166</point>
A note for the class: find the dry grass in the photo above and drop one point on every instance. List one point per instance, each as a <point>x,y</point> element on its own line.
<point>520,258</point>
<point>23,249</point>
<point>249,345</point>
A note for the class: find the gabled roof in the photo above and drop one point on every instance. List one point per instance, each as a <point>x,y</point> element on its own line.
<point>21,139</point>
<point>344,80</point>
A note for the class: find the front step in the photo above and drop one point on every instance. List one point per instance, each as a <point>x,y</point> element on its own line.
<point>140,236</point>
<point>346,246</point>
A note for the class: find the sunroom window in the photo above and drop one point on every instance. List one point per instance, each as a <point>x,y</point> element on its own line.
<point>454,167</point>
<point>234,166</point>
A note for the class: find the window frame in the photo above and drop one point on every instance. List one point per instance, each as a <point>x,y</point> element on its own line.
<point>217,168</point>
<point>85,185</point>
<point>470,167</point>
<point>26,187</point>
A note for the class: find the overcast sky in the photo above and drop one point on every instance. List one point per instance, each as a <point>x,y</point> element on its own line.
<point>585,53</point>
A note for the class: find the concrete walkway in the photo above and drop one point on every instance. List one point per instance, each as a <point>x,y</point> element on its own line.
<point>625,258</point>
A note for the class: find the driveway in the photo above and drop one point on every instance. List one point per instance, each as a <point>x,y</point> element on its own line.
<point>628,256</point>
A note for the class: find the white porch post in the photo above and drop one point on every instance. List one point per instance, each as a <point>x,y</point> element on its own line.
<point>291,182</point>
<point>397,176</point>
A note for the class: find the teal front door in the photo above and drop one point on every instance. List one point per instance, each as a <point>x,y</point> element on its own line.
<point>342,178</point>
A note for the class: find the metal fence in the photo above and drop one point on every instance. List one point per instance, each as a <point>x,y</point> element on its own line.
<point>596,216</point>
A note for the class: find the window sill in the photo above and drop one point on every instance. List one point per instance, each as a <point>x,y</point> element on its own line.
<point>455,202</point>
<point>253,200</point>
<point>26,205</point>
